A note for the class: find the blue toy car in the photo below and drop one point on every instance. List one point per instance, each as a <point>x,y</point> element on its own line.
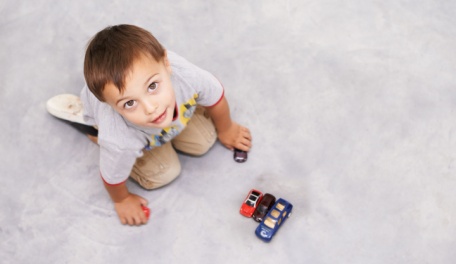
<point>274,220</point>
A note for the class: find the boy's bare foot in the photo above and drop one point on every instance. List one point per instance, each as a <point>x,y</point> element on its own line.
<point>94,139</point>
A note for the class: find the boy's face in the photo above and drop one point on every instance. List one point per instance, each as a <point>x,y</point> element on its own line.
<point>148,98</point>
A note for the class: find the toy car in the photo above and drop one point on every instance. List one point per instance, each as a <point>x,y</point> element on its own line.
<point>251,202</point>
<point>146,211</point>
<point>263,208</point>
<point>240,155</point>
<point>274,220</point>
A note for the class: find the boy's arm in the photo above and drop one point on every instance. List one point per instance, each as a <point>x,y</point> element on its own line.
<point>230,134</point>
<point>127,205</point>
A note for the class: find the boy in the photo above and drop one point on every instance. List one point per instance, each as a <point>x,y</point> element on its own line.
<point>146,101</point>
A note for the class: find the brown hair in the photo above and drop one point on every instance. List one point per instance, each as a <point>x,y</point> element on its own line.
<point>112,52</point>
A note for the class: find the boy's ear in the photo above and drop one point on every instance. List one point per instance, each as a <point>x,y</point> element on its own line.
<point>166,62</point>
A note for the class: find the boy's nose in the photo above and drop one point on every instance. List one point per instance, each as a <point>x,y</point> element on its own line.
<point>150,107</point>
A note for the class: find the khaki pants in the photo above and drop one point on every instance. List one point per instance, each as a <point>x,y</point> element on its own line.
<point>161,165</point>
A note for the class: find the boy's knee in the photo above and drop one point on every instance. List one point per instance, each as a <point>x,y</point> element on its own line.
<point>156,167</point>
<point>199,135</point>
<point>199,144</point>
<point>198,149</point>
<point>165,177</point>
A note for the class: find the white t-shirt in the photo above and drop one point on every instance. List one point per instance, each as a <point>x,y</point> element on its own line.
<point>121,142</point>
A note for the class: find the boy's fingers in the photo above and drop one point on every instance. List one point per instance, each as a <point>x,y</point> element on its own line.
<point>143,219</point>
<point>136,220</point>
<point>144,202</point>
<point>246,134</point>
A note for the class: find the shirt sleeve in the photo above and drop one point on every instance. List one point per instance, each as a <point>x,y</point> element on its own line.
<point>209,89</point>
<point>120,145</point>
<point>116,165</point>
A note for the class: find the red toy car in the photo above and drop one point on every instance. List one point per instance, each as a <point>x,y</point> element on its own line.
<point>146,211</point>
<point>251,202</point>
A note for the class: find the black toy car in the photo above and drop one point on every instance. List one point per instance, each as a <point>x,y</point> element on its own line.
<point>263,208</point>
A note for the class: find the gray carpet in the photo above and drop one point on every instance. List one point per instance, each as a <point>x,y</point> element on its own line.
<point>351,105</point>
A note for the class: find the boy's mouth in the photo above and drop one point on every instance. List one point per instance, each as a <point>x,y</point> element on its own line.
<point>160,118</point>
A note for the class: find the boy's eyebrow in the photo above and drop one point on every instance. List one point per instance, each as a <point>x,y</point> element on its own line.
<point>150,78</point>
<point>145,84</point>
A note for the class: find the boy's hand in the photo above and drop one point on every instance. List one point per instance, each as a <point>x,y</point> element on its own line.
<point>130,211</point>
<point>229,133</point>
<point>236,136</point>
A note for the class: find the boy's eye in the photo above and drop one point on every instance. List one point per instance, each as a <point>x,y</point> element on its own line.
<point>129,104</point>
<point>152,86</point>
